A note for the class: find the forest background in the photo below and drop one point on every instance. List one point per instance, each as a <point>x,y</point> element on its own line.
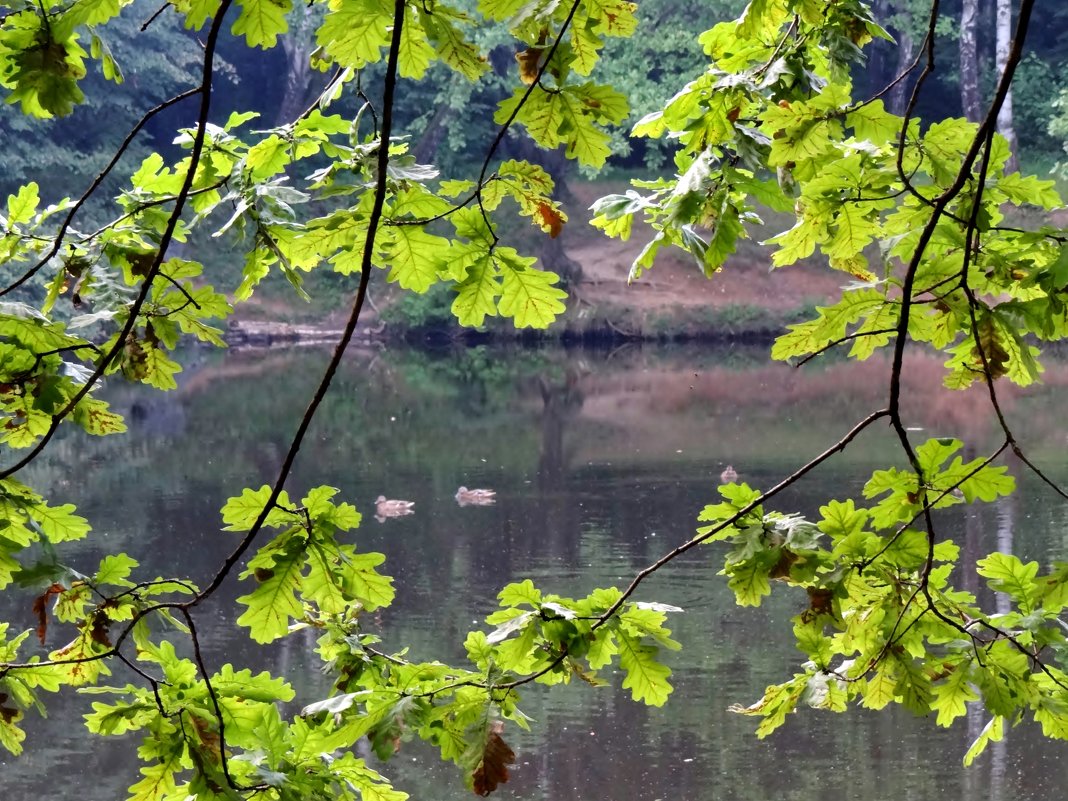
<point>451,120</point>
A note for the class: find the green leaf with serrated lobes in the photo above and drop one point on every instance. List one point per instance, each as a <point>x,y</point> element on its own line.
<point>951,696</point>
<point>646,678</point>
<point>354,32</point>
<point>115,570</point>
<point>60,523</point>
<point>240,513</point>
<point>831,324</point>
<point>274,602</point>
<point>262,21</point>
<point>415,257</point>
<point>749,580</point>
<point>23,205</point>
<point>1009,575</point>
<point>415,51</point>
<point>477,294</point>
<point>528,295</point>
<point>500,9</point>
<point>454,49</point>
<point>268,157</point>
<point>363,582</point>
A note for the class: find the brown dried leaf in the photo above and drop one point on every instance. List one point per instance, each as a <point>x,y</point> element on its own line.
<point>208,737</point>
<point>497,756</point>
<point>820,602</point>
<point>141,263</point>
<point>549,219</point>
<point>781,570</point>
<point>99,631</point>
<point>39,604</point>
<point>8,714</point>
<point>528,64</point>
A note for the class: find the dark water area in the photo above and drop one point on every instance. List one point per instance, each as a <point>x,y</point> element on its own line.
<point>601,461</point>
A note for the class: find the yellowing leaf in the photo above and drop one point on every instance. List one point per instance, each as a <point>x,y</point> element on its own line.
<point>261,21</point>
<point>415,257</point>
<point>528,295</point>
<point>274,603</point>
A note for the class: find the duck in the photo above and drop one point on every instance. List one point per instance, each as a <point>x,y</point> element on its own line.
<point>385,508</point>
<point>475,497</point>
<point>729,475</point>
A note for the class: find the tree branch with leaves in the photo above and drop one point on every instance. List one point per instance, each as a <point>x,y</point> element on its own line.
<point>909,210</point>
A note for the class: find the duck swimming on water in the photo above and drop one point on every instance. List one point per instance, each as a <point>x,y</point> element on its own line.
<point>385,507</point>
<point>475,497</point>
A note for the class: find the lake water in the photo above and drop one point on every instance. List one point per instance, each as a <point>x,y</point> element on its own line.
<point>601,461</point>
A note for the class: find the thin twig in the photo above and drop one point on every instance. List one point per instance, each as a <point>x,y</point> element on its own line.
<point>483,180</point>
<point>842,340</point>
<point>366,267</point>
<point>198,657</point>
<point>58,241</point>
<point>172,223</point>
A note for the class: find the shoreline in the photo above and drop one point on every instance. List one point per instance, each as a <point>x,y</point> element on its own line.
<point>742,324</point>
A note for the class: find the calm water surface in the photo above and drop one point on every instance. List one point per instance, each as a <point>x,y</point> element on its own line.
<point>601,462</point>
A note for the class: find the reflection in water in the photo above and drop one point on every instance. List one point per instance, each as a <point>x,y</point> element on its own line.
<point>594,482</point>
<point>1005,508</point>
<point>562,405</point>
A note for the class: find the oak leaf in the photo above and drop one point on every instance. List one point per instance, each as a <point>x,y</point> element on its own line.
<point>528,64</point>
<point>549,219</point>
<point>496,757</point>
<point>42,614</point>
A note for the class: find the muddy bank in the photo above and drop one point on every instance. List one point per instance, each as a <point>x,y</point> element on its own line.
<point>746,301</point>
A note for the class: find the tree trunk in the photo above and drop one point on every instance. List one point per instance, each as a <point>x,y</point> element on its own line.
<point>969,61</point>
<point>426,151</point>
<point>1004,41</point>
<point>297,45</point>
<point>881,54</point>
<point>899,95</point>
<point>297,93</point>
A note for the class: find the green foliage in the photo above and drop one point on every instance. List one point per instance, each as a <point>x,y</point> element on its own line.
<point>301,196</point>
<point>413,312</point>
<point>912,213</point>
<point>882,623</point>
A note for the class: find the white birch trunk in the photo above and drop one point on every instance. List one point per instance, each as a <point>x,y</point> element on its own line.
<point>1004,42</point>
<point>969,61</point>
